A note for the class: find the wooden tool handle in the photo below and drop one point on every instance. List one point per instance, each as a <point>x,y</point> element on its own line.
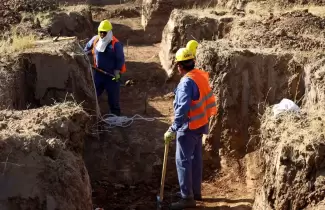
<point>163,175</point>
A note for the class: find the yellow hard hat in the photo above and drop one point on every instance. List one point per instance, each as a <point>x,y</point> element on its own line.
<point>105,25</point>
<point>192,46</point>
<point>183,54</point>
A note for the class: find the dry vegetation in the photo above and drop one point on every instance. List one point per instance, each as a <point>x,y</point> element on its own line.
<point>17,43</point>
<point>293,150</point>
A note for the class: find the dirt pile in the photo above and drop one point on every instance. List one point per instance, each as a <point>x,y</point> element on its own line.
<point>293,148</point>
<point>41,162</point>
<point>241,4</point>
<point>116,11</point>
<point>8,17</point>
<point>298,30</point>
<point>50,21</point>
<point>105,2</point>
<point>50,72</point>
<point>127,12</point>
<point>155,13</point>
<point>73,21</point>
<point>31,5</point>
<point>243,81</point>
<point>182,27</point>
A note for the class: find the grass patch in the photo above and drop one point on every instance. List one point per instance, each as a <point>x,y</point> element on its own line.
<point>17,43</point>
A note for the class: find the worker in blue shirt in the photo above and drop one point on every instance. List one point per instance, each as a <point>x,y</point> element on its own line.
<point>194,104</point>
<point>109,58</point>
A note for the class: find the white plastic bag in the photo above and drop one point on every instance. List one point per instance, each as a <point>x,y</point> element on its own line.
<point>284,106</point>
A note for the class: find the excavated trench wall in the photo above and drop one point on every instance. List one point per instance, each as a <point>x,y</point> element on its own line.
<point>155,13</point>
<point>244,82</point>
<point>52,73</point>
<point>188,25</point>
<point>41,164</point>
<point>292,146</point>
<point>41,150</point>
<point>77,22</point>
<point>293,149</point>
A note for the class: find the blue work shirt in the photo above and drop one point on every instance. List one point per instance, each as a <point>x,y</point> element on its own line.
<point>186,92</point>
<point>110,59</point>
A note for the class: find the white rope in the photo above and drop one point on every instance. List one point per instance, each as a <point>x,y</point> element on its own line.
<point>113,121</point>
<point>93,80</point>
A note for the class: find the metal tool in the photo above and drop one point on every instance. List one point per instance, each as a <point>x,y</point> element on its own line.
<point>102,71</point>
<point>160,197</point>
<point>109,74</point>
<point>59,38</point>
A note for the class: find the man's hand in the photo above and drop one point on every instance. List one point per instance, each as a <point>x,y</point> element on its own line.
<point>117,75</point>
<point>169,136</point>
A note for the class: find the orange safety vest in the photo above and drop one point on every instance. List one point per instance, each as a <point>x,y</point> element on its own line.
<point>202,109</point>
<point>114,41</point>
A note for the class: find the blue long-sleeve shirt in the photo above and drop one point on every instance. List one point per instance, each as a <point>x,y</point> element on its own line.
<point>110,59</point>
<point>186,91</point>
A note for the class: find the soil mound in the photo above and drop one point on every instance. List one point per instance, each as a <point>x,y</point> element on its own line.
<point>182,27</point>
<point>50,72</point>
<point>70,21</point>
<point>243,81</point>
<point>41,163</point>
<point>127,12</point>
<point>74,21</point>
<point>293,148</point>
<point>31,5</point>
<point>155,13</point>
<point>297,30</point>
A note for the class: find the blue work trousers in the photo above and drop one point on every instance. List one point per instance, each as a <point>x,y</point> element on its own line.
<point>104,82</point>
<point>189,162</point>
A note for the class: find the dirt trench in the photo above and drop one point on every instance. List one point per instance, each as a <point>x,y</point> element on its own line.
<point>124,164</point>
<point>129,160</point>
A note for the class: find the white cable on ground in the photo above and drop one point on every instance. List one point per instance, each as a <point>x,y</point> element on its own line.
<point>113,121</point>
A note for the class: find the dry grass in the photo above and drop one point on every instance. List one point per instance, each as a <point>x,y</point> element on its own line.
<point>301,128</point>
<point>315,10</point>
<point>75,8</point>
<point>265,8</point>
<point>17,43</point>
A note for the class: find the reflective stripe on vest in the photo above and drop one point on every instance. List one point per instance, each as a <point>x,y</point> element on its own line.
<point>114,40</point>
<point>199,116</point>
<point>194,107</point>
<point>202,109</point>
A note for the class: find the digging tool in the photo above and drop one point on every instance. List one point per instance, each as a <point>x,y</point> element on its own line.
<point>160,197</point>
<point>106,73</point>
<point>59,38</point>
<point>102,71</point>
<point>56,38</point>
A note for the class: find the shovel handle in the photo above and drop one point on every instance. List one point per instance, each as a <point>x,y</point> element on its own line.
<point>163,174</point>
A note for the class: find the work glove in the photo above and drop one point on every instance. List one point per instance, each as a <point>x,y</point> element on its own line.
<point>117,75</point>
<point>169,136</point>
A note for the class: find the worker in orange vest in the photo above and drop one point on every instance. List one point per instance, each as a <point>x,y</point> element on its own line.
<point>194,104</point>
<point>109,57</point>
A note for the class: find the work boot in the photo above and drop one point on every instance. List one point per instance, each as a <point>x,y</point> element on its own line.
<point>183,204</point>
<point>196,197</point>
